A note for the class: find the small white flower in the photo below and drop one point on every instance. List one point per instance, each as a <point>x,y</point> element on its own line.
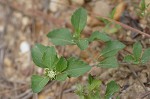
<point>50,73</point>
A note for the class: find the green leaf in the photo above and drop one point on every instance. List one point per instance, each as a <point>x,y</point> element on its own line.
<point>143,5</point>
<point>37,53</point>
<point>112,13</point>
<point>105,21</point>
<point>50,57</point>
<point>112,88</point>
<point>94,95</point>
<point>61,37</point>
<point>95,84</point>
<point>90,79</point>
<point>76,67</point>
<point>79,90</point>
<point>146,56</point>
<point>112,48</point>
<point>110,62</point>
<point>38,83</point>
<point>99,36</point>
<point>128,59</point>
<point>114,28</point>
<point>118,97</point>
<point>61,77</point>
<point>61,65</point>
<point>82,44</point>
<point>79,19</point>
<point>137,50</point>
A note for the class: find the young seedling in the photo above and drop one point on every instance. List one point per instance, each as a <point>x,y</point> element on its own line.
<point>92,89</point>
<point>138,57</point>
<point>142,9</point>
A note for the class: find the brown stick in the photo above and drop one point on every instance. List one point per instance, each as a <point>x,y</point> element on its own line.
<point>145,94</point>
<point>134,73</point>
<point>121,24</point>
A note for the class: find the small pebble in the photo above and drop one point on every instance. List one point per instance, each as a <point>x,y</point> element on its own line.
<point>24,47</point>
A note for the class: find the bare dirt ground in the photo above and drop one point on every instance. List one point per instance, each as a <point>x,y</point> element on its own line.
<point>26,22</point>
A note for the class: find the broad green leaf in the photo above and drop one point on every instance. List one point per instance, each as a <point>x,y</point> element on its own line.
<point>82,44</point>
<point>146,56</point>
<point>37,53</point>
<point>137,50</point>
<point>128,59</point>
<point>112,48</point>
<point>38,83</point>
<point>99,36</point>
<point>76,67</point>
<point>61,65</point>
<point>50,57</point>
<point>110,62</point>
<point>95,84</point>
<point>79,19</point>
<point>112,88</point>
<point>61,37</point>
<point>61,77</point>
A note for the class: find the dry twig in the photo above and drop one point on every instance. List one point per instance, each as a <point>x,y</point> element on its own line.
<point>145,95</point>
